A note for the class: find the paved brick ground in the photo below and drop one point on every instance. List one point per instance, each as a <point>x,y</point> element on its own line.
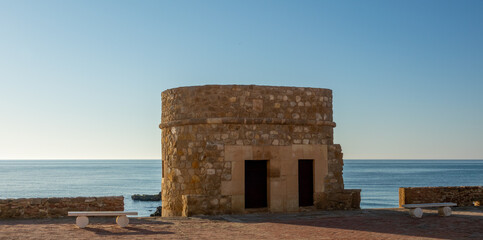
<point>465,223</point>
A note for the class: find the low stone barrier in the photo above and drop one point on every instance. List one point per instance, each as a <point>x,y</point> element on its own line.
<point>57,207</point>
<point>204,205</point>
<point>347,199</point>
<point>463,196</point>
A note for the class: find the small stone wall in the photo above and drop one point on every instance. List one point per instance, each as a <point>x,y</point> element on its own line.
<point>201,205</point>
<point>346,199</point>
<point>57,207</point>
<point>463,196</point>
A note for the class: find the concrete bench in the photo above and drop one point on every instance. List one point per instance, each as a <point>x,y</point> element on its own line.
<point>82,217</point>
<point>444,209</point>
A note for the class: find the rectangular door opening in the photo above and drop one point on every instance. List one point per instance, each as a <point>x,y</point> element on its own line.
<point>256,183</point>
<point>306,183</point>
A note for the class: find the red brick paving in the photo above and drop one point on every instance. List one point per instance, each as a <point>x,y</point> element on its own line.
<point>465,223</point>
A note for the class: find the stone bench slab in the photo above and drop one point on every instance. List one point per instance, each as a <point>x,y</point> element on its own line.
<point>82,217</point>
<point>101,213</point>
<point>443,208</point>
<point>427,205</point>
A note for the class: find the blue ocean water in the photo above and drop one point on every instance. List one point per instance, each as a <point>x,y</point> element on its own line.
<point>378,179</point>
<point>73,178</point>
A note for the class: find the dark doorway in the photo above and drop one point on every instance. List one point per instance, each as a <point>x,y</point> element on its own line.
<point>256,183</point>
<point>306,183</point>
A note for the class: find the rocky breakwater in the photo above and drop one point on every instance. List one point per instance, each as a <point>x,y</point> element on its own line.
<point>56,207</point>
<point>146,197</point>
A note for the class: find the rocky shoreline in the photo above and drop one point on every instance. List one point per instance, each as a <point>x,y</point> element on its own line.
<point>146,197</point>
<point>158,211</point>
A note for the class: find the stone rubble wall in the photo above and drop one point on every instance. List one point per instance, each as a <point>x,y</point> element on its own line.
<point>335,196</point>
<point>236,103</point>
<point>203,205</point>
<point>345,199</point>
<point>463,196</point>
<point>56,207</point>
<point>334,181</point>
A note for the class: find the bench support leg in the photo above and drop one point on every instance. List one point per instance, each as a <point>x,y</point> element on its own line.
<point>122,221</point>
<point>82,221</point>
<point>416,212</point>
<point>444,211</point>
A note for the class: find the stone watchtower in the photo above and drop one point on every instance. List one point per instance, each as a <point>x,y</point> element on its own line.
<point>244,148</point>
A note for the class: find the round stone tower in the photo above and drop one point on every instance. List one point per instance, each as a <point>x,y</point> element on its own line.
<point>244,148</point>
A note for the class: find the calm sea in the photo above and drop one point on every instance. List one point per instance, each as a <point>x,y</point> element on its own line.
<point>378,179</point>
<point>69,178</point>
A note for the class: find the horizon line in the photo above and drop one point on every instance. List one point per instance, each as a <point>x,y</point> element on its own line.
<point>131,159</point>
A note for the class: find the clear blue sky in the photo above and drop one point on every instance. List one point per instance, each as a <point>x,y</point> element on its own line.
<point>82,79</point>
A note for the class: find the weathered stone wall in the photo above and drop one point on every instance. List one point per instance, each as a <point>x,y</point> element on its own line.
<point>57,207</point>
<point>198,122</point>
<point>335,196</point>
<point>463,196</point>
<point>202,204</point>
<point>236,103</point>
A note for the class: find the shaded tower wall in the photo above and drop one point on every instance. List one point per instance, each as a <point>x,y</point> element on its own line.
<point>208,132</point>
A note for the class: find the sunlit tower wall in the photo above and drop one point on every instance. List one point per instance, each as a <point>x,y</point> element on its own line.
<point>246,148</point>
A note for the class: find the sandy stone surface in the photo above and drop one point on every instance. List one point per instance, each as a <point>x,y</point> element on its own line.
<point>465,223</point>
